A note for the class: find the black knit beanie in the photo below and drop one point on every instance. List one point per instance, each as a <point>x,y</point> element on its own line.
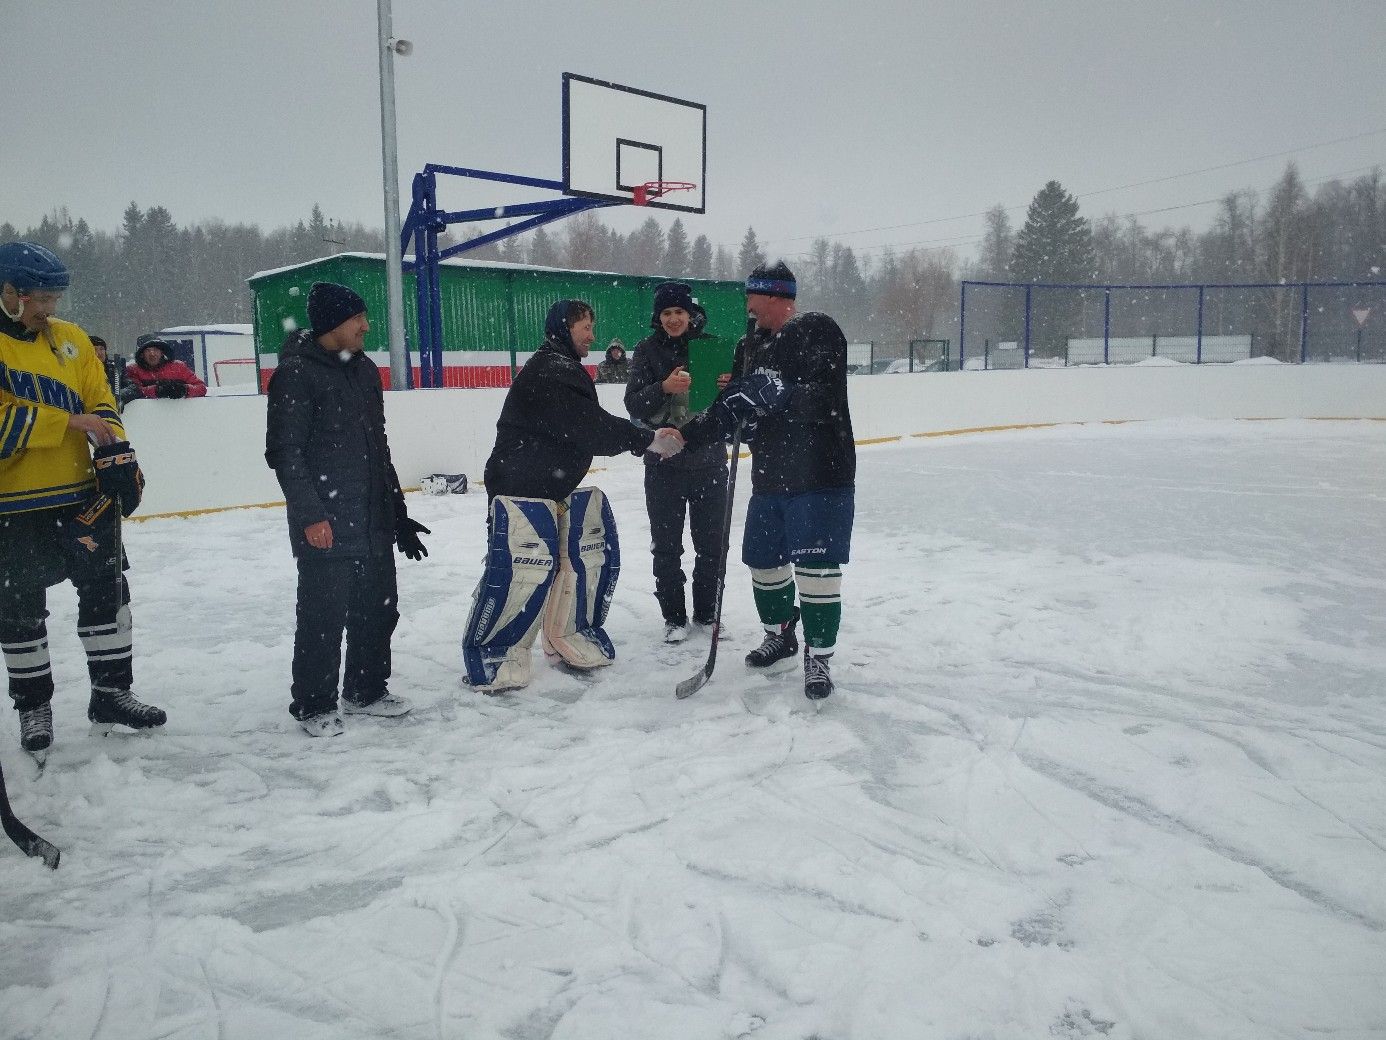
<point>775,280</point>
<point>330,304</point>
<point>671,294</point>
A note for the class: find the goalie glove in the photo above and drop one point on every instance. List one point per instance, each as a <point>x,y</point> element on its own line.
<point>118,474</point>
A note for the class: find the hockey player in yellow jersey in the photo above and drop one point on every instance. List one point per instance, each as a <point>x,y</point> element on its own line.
<point>67,475</point>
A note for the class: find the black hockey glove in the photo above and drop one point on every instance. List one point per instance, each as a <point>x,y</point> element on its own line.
<point>119,475</point>
<point>407,538</point>
<point>171,388</point>
<point>752,396</point>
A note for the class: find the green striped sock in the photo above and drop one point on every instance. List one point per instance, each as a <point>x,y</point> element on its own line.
<point>820,598</point>
<point>774,592</point>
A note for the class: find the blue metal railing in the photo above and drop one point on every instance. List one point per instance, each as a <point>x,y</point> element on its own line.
<point>1106,289</point>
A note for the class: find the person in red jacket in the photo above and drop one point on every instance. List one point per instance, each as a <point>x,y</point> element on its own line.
<point>156,374</point>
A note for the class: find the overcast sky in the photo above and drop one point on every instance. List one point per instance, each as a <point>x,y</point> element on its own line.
<point>824,118</point>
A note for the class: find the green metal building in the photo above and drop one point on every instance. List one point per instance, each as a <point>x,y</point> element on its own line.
<point>493,313</point>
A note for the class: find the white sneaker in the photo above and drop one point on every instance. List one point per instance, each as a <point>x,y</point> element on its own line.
<point>675,632</point>
<point>391,706</point>
<point>705,627</point>
<point>328,724</point>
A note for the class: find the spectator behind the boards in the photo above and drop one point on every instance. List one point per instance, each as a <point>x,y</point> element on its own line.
<point>122,387</point>
<point>615,369</point>
<point>157,374</point>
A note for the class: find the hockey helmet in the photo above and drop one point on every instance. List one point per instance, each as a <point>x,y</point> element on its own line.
<point>32,268</point>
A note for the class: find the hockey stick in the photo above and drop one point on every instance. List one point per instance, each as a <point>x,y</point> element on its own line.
<point>696,682</point>
<point>29,842</point>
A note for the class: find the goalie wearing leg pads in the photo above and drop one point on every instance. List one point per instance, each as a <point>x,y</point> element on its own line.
<point>589,564</point>
<point>508,605</point>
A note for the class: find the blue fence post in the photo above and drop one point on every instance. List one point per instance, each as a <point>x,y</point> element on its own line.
<point>962,327</point>
<point>1198,343</point>
<point>1028,289</point>
<point>1106,325</point>
<point>1304,322</point>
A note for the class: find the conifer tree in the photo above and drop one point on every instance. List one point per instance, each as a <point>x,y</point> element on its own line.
<point>750,256</point>
<point>1055,244</point>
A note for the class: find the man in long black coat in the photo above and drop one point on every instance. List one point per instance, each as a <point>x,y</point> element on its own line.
<point>325,441</point>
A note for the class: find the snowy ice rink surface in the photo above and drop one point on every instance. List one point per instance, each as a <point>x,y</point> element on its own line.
<point>1107,759</point>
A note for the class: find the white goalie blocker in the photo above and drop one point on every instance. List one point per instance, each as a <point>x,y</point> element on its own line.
<point>547,562</point>
<point>589,564</point>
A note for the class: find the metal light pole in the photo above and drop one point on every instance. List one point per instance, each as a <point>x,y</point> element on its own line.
<point>394,259</point>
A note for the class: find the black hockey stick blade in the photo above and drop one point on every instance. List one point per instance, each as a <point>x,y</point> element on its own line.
<point>29,842</point>
<point>696,682</point>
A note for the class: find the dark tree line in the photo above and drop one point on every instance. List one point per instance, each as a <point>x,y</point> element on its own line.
<point>152,273</point>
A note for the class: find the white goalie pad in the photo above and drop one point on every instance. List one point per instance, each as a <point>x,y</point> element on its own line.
<point>589,564</point>
<point>508,604</point>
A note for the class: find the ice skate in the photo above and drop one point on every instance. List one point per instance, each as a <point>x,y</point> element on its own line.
<point>36,729</point>
<point>818,681</point>
<point>110,708</point>
<point>780,645</point>
<point>36,732</point>
<point>675,631</point>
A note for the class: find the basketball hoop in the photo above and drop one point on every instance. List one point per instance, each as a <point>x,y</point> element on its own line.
<point>643,193</point>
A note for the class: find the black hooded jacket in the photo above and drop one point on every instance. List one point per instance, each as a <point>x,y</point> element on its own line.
<point>551,424</point>
<point>656,356</point>
<point>325,441</point>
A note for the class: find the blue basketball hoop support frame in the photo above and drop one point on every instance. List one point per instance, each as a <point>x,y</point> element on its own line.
<point>426,221</point>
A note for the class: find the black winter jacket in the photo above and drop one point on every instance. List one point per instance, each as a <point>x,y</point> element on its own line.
<point>325,441</point>
<point>808,446</point>
<point>551,426</point>
<point>656,356</point>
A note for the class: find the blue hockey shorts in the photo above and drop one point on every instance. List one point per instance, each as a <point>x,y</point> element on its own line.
<point>805,528</point>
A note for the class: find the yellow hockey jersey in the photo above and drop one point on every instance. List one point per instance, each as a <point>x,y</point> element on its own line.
<point>45,379</point>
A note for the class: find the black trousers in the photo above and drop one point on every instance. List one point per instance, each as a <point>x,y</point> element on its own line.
<point>37,549</point>
<point>670,495</point>
<point>357,595</point>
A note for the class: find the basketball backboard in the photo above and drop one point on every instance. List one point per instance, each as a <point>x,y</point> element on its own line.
<point>617,138</point>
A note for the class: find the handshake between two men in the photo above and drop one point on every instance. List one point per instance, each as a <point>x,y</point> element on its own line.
<point>739,404</point>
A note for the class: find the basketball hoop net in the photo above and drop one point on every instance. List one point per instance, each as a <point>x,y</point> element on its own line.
<point>643,193</point>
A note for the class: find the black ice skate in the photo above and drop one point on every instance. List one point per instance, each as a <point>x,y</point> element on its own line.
<point>36,730</point>
<point>818,681</point>
<point>110,708</point>
<point>780,645</point>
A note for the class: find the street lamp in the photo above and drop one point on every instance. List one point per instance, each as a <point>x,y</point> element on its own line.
<point>394,259</point>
